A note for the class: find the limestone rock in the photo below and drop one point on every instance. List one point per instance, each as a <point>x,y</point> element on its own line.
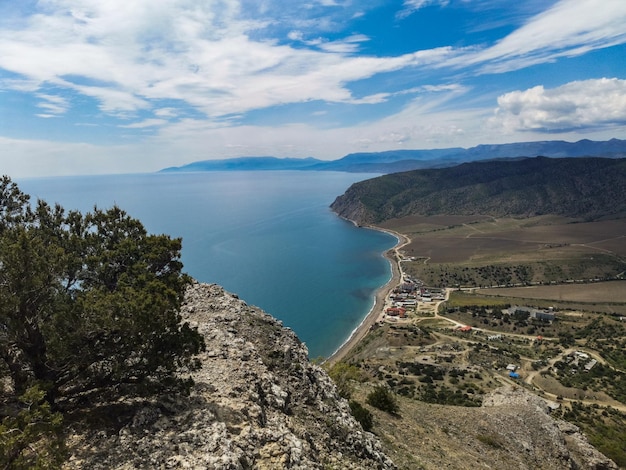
<point>257,403</point>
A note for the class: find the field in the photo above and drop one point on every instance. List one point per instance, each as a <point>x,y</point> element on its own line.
<point>599,292</point>
<point>461,239</point>
<point>455,251</point>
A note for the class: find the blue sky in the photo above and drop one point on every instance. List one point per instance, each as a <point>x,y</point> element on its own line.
<point>118,86</point>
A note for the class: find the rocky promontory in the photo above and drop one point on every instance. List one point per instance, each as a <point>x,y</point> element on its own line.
<point>257,402</point>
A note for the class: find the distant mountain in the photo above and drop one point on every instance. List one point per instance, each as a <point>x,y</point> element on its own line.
<point>247,164</point>
<point>394,161</point>
<point>589,188</point>
<point>405,160</point>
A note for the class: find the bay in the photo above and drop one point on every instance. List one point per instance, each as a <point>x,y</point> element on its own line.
<point>268,236</point>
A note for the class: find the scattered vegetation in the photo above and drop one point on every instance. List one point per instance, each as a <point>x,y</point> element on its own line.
<point>604,427</point>
<point>344,374</point>
<point>491,225</point>
<point>31,434</point>
<point>490,440</point>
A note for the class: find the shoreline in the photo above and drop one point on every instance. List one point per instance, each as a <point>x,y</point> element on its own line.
<point>378,309</point>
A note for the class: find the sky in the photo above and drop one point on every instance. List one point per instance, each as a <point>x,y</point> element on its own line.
<point>124,86</point>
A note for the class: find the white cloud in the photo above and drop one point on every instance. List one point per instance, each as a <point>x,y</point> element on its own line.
<point>344,46</point>
<point>145,124</point>
<point>295,35</point>
<point>569,28</point>
<point>129,55</point>
<point>52,104</point>
<point>576,105</point>
<point>166,112</point>
<point>411,6</point>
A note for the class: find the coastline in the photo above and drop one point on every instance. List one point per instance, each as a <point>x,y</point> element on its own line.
<point>375,314</point>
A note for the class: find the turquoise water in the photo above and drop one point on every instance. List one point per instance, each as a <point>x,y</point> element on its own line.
<point>267,236</point>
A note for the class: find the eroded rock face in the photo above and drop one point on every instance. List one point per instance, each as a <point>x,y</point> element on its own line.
<point>523,423</point>
<point>257,403</point>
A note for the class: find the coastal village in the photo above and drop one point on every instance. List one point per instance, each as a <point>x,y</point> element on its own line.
<point>457,345</point>
<point>409,302</point>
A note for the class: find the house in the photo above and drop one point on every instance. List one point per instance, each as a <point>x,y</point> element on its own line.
<point>542,315</point>
<point>537,314</point>
<point>396,312</point>
<point>590,365</point>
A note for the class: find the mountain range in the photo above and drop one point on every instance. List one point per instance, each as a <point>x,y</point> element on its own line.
<point>394,161</point>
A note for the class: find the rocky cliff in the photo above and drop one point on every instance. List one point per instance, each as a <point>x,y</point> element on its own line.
<point>257,403</point>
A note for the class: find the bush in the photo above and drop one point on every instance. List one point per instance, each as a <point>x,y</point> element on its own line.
<point>343,375</point>
<point>382,398</point>
<point>362,415</point>
<point>31,437</point>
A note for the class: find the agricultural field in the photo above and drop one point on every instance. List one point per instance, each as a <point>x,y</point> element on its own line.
<point>599,292</point>
<point>496,237</point>
<point>455,251</point>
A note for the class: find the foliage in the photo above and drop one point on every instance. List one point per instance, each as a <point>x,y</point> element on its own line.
<point>89,304</point>
<point>587,188</point>
<point>443,395</point>
<point>383,399</point>
<point>601,378</point>
<point>343,374</point>
<point>30,437</point>
<point>605,429</point>
<point>362,415</point>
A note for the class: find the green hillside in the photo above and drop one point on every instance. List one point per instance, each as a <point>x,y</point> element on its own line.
<point>585,188</point>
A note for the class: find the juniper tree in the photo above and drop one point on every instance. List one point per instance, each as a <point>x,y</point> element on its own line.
<point>89,304</point>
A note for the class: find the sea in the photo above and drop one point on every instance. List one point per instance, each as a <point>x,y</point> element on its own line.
<point>267,236</point>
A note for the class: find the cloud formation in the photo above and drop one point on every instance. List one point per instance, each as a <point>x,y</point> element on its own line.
<point>576,105</point>
<point>320,78</point>
<point>567,29</point>
<point>128,55</point>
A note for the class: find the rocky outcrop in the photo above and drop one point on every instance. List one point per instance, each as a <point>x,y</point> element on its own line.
<point>514,429</point>
<point>522,421</point>
<point>257,403</point>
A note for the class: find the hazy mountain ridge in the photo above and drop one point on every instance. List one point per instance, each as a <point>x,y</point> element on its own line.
<point>589,188</point>
<point>246,164</point>
<point>404,160</point>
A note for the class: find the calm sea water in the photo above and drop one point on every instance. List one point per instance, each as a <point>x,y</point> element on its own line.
<point>267,236</point>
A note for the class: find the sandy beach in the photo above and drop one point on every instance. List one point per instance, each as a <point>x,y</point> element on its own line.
<point>382,294</point>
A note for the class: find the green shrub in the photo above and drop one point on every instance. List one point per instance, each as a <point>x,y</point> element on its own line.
<point>343,374</point>
<point>31,437</point>
<point>382,398</point>
<point>362,415</point>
